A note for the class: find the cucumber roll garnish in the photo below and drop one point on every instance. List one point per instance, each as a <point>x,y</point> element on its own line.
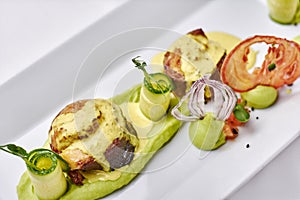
<point>45,169</point>
<point>157,83</point>
<point>155,92</point>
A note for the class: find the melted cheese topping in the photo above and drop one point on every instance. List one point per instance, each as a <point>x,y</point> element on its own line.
<point>199,55</point>
<point>90,130</point>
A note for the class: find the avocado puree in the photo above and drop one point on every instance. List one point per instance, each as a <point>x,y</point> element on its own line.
<point>206,134</point>
<point>147,148</point>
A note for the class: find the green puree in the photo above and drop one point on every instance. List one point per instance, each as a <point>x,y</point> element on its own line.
<point>206,134</point>
<point>100,189</point>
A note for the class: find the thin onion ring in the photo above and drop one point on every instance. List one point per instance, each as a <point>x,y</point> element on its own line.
<point>221,107</point>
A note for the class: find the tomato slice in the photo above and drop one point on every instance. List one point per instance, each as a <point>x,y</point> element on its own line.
<point>280,66</point>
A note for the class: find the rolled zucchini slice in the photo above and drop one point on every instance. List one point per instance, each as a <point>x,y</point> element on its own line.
<point>46,174</point>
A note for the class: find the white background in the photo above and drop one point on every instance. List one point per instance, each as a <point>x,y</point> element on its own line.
<point>31,29</point>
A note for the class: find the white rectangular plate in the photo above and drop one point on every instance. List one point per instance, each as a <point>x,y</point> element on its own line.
<point>179,171</point>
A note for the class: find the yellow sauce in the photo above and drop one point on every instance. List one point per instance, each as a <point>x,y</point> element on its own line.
<point>229,41</point>
<point>99,175</point>
<point>144,127</point>
<point>158,59</point>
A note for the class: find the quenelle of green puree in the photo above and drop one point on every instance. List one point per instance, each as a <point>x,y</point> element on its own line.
<point>206,134</point>
<point>260,97</point>
<point>284,11</point>
<point>146,150</point>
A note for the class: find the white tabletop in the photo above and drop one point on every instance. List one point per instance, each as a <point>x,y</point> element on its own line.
<point>30,29</point>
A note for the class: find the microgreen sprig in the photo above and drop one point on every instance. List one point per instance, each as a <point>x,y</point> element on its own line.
<point>15,150</point>
<point>241,113</point>
<point>18,151</point>
<point>140,64</point>
<point>162,85</point>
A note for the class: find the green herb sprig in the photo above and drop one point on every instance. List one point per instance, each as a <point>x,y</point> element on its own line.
<point>15,150</point>
<point>140,64</point>
<point>18,151</point>
<point>162,85</point>
<point>241,113</point>
<point>22,153</point>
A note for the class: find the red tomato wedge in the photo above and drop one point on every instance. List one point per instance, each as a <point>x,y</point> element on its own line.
<point>281,64</point>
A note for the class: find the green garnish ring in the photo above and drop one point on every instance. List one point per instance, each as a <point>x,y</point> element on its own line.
<point>35,156</point>
<point>158,83</point>
<point>241,113</point>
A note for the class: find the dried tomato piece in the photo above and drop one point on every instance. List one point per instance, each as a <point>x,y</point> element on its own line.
<point>280,66</point>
